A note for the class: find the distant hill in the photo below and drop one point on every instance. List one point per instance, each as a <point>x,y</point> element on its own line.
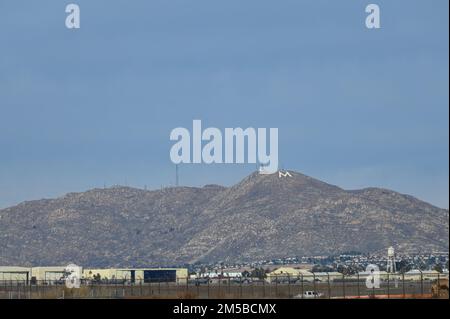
<point>262,217</point>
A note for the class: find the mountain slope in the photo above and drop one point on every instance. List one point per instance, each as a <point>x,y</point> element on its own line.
<point>262,217</point>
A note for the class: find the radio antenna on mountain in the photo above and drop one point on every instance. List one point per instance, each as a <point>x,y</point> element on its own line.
<point>176,175</point>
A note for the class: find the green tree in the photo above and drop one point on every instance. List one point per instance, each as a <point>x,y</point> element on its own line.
<point>258,273</point>
<point>438,268</point>
<point>403,266</point>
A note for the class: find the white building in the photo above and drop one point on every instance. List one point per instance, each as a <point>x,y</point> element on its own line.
<point>11,273</point>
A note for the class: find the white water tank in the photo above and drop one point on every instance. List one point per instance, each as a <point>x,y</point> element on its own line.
<point>391,252</point>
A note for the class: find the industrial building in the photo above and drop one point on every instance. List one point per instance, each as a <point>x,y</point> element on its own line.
<point>417,275</point>
<point>54,274</point>
<point>48,275</point>
<point>133,275</point>
<point>289,273</point>
<point>18,274</point>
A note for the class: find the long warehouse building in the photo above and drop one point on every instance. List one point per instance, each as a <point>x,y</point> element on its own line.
<point>49,275</point>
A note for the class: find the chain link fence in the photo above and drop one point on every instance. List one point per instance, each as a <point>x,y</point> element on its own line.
<point>325,286</point>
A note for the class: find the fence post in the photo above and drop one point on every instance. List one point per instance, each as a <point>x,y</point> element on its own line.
<point>132,284</point>
<point>389,286</point>
<point>240,287</point>
<point>276,286</point>
<point>253,287</point>
<point>343,285</point>
<point>264,288</point>
<point>403,285</point>
<point>289,286</point>
<point>357,282</point>
<point>167,288</point>
<point>421,283</point>
<point>303,291</point>
<point>314,284</point>
<point>197,284</point>
<point>329,286</point>
<point>438,285</point>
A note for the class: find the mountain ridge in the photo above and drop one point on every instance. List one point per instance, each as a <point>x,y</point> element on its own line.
<point>261,217</point>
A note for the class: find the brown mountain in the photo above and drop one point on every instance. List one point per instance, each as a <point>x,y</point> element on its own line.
<point>262,217</point>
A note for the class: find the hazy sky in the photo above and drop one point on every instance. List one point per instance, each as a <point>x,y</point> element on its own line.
<point>354,107</point>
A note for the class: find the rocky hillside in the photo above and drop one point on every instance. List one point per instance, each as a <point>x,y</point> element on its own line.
<point>262,217</point>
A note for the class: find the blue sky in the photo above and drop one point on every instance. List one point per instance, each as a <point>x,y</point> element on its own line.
<point>92,107</point>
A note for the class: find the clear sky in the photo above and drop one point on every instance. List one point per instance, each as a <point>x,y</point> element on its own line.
<point>95,106</point>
